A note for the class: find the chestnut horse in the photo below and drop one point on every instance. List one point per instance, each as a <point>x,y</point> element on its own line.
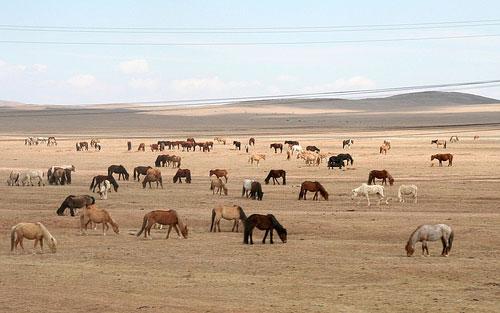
<point>140,170</point>
<point>91,213</point>
<point>162,217</point>
<point>182,173</point>
<point>443,157</point>
<point>219,173</point>
<point>142,147</point>
<point>263,222</point>
<point>312,187</point>
<point>152,175</point>
<point>383,174</point>
<point>275,174</point>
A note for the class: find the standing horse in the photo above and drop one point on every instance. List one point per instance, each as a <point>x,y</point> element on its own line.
<point>58,176</point>
<point>229,213</point>
<point>152,175</point>
<point>142,147</point>
<point>366,190</point>
<point>154,147</point>
<point>335,161</point>
<point>237,145</point>
<point>425,233</point>
<point>384,148</point>
<point>219,173</point>
<point>97,180</point>
<point>313,149</point>
<point>443,157</point>
<point>120,170</point>
<point>454,138</point>
<point>140,170</point>
<point>407,191</point>
<point>51,141</point>
<point>256,158</point>
<point>93,214</point>
<point>346,157</point>
<point>383,174</point>
<point>32,231</point>
<point>291,143</point>
<point>247,186</point>
<point>75,202</point>
<point>103,190</point>
<point>347,143</point>
<point>162,217</point>
<point>439,143</point>
<point>82,145</point>
<point>217,186</point>
<point>162,160</point>
<point>27,177</point>
<point>312,187</point>
<point>263,222</point>
<point>182,173</point>
<point>275,174</point>
<point>251,141</point>
<point>276,146</point>
<point>309,157</point>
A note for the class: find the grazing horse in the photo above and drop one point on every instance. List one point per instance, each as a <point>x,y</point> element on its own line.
<point>384,148</point>
<point>439,143</point>
<point>75,202</point>
<point>313,149</point>
<point>476,137</point>
<point>256,158</point>
<point>347,143</point>
<point>182,173</point>
<point>219,173</point>
<point>256,191</point>
<point>276,146</point>
<point>82,145</point>
<point>335,161</point>
<point>296,148</point>
<point>154,147</point>
<point>94,142</point>
<point>237,145</point>
<point>59,176</point>
<point>263,222</point>
<point>366,190</point>
<point>142,147</point>
<point>104,189</point>
<point>13,179</point>
<point>251,141</point>
<point>217,185</point>
<point>162,217</point>
<point>27,177</point>
<point>247,186</point>
<point>51,141</point>
<point>229,213</point>
<point>140,170</point>
<point>162,160</point>
<point>220,140</point>
<point>454,138</point>
<point>120,170</point>
<point>275,174</point>
<point>93,214</point>
<point>346,157</point>
<point>407,191</point>
<point>32,231</point>
<point>425,233</point>
<point>310,158</point>
<point>152,175</point>
<point>312,187</point>
<point>383,174</point>
<point>443,157</point>
<point>97,180</point>
<point>188,145</point>
<point>291,142</point>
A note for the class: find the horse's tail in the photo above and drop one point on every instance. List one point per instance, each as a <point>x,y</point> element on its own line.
<point>284,178</point>
<point>92,184</point>
<point>144,223</point>
<point>370,176</point>
<point>450,241</point>
<point>445,144</point>
<point>213,219</point>
<point>135,171</point>
<point>12,237</point>
<point>301,193</point>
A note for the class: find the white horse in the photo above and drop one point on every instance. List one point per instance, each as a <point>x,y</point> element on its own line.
<point>426,233</point>
<point>103,189</point>
<point>296,148</point>
<point>64,167</point>
<point>26,177</point>
<point>366,190</point>
<point>407,191</point>
<point>247,186</point>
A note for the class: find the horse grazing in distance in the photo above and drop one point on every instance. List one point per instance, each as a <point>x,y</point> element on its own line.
<point>51,141</point>
<point>142,147</point>
<point>219,173</point>
<point>335,161</point>
<point>425,233</point>
<point>175,160</point>
<point>59,176</point>
<point>13,179</point>
<point>182,173</point>
<point>162,217</point>
<point>310,158</point>
<point>296,148</point>
<point>276,146</point>
<point>291,143</point>
<point>97,180</point>
<point>263,222</point>
<point>82,145</point>
<point>347,143</point>
<point>346,157</point>
<point>251,141</point>
<point>476,137</point>
<point>439,143</point>
<point>247,186</point>
<point>443,157</point>
<point>256,158</point>
<point>220,140</point>
<point>140,170</point>
<point>407,191</point>
<point>94,142</point>
<point>366,190</point>
<point>229,213</point>
<point>188,145</point>
<point>217,186</point>
<point>93,214</point>
<point>312,187</point>
<point>32,231</point>
<point>154,147</point>
<point>256,191</point>
<point>454,138</point>
<point>275,174</point>
<point>75,202</point>
<point>162,160</point>
<point>383,174</point>
<point>152,175</point>
<point>237,145</point>
<point>27,177</point>
<point>313,149</point>
<point>120,170</point>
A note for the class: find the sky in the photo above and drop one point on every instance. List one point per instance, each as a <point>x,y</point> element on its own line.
<point>81,74</point>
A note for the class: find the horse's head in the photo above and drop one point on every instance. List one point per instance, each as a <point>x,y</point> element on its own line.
<point>391,180</point>
<point>409,249</point>
<point>184,231</point>
<point>354,193</point>
<point>115,228</point>
<point>52,244</point>
<point>283,234</point>
<point>433,157</point>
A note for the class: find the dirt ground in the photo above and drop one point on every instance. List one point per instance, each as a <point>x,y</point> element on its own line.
<point>340,256</point>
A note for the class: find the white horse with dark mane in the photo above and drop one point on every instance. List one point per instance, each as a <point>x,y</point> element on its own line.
<point>366,190</point>
<point>406,191</point>
<point>425,233</point>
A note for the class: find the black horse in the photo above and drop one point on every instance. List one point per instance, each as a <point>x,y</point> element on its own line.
<point>97,180</point>
<point>140,170</point>
<point>335,161</point>
<point>256,191</point>
<point>263,222</point>
<point>237,144</point>
<point>346,157</point>
<point>276,146</point>
<point>162,160</point>
<point>291,142</point>
<point>75,202</point>
<point>118,169</point>
<point>312,148</point>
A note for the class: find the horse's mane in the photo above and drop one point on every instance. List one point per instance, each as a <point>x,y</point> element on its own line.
<point>277,224</point>
<point>243,216</point>
<point>322,190</point>
<point>413,233</point>
<point>112,180</point>
<point>45,231</point>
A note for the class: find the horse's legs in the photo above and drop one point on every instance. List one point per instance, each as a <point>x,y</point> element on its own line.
<point>168,231</point>
<point>217,223</point>
<point>444,242</point>
<point>251,235</point>
<point>41,244</point>
<point>368,199</point>
<point>440,163</point>
<point>271,235</point>
<point>235,224</point>
<point>104,228</point>
<point>305,192</point>
<point>265,236</point>
<point>177,231</point>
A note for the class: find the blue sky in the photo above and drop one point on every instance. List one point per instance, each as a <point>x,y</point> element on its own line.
<point>98,74</point>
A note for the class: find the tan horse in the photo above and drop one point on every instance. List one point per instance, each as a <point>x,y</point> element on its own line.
<point>31,231</point>
<point>311,158</point>
<point>220,140</point>
<point>234,213</point>
<point>219,184</point>
<point>162,217</point>
<point>96,215</point>
<point>384,148</point>
<point>256,158</point>
<point>152,175</point>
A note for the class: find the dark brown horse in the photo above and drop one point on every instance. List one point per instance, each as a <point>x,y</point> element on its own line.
<point>291,142</point>
<point>82,145</point>
<point>142,147</point>
<point>276,146</point>
<point>140,170</point>
<point>443,157</point>
<point>154,147</point>
<point>182,173</point>
<point>120,170</point>
<point>312,186</point>
<point>251,141</point>
<point>75,202</point>
<point>97,180</point>
<point>152,175</point>
<point>383,174</point>
<point>219,173</point>
<point>237,145</point>
<point>256,191</point>
<point>275,174</point>
<point>162,217</point>
<point>312,148</point>
<point>188,145</point>
<point>263,222</point>
<point>162,160</point>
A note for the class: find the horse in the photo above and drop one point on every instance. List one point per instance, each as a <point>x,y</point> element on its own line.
<point>32,231</point>
<point>75,202</point>
<point>335,161</point>
<point>425,233</point>
<point>142,147</point>
<point>346,157</point>
<point>276,146</point>
<point>347,143</point>
<point>313,149</point>
<point>140,170</point>
<point>65,167</point>
<point>312,187</point>
<point>94,142</point>
<point>443,157</point>
<point>120,170</point>
<point>103,190</point>
<point>454,138</point>
<point>26,177</point>
<point>233,212</point>
<point>219,173</point>
<point>383,149</point>
<point>263,222</point>
<point>310,158</point>
<point>82,145</point>
<point>296,148</point>
<point>256,158</point>
<point>387,143</point>
<point>162,217</point>
<point>217,185</point>
<point>275,174</point>
<point>93,214</point>
<point>251,141</point>
<point>152,175</point>
<point>162,160</point>
<point>439,143</point>
<point>188,145</point>
<point>256,191</point>
<point>323,155</point>
<point>97,180</point>
<point>59,176</point>
<point>51,141</point>
<point>182,173</point>
<point>175,161</point>
<point>237,145</point>
<point>367,190</point>
<point>191,139</point>
<point>407,190</point>
<point>383,174</point>
<point>247,186</point>
<point>291,142</point>
<point>220,140</point>
<point>129,145</point>
<point>13,179</point>
<point>154,147</point>
<point>476,137</point>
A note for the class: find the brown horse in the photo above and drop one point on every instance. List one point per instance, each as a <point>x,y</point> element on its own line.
<point>140,170</point>
<point>383,174</point>
<point>234,212</point>
<point>443,157</point>
<point>162,217</point>
<point>75,202</point>
<point>152,175</point>
<point>142,147</point>
<point>91,213</point>
<point>217,186</point>
<point>251,141</point>
<point>312,187</point>
<point>182,173</point>
<point>276,146</point>
<point>82,145</point>
<point>384,148</point>
<point>219,173</point>
<point>275,174</point>
<point>313,149</point>
<point>263,222</point>
<point>154,147</point>
<point>439,143</point>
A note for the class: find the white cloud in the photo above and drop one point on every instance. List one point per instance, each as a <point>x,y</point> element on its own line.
<point>136,66</point>
<point>82,80</point>
<point>210,84</point>
<point>39,67</point>
<point>353,83</point>
<point>140,83</point>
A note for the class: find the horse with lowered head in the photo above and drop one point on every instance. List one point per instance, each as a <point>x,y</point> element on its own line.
<point>219,173</point>
<point>263,222</point>
<point>234,212</point>
<point>425,233</point>
<point>275,174</point>
<point>383,174</point>
<point>162,217</point>
<point>93,214</point>
<point>315,187</point>
<point>75,202</point>
<point>32,231</point>
<point>182,173</point>
<point>217,186</point>
<point>97,180</point>
<point>140,170</point>
<point>152,175</point>
<point>120,170</point>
